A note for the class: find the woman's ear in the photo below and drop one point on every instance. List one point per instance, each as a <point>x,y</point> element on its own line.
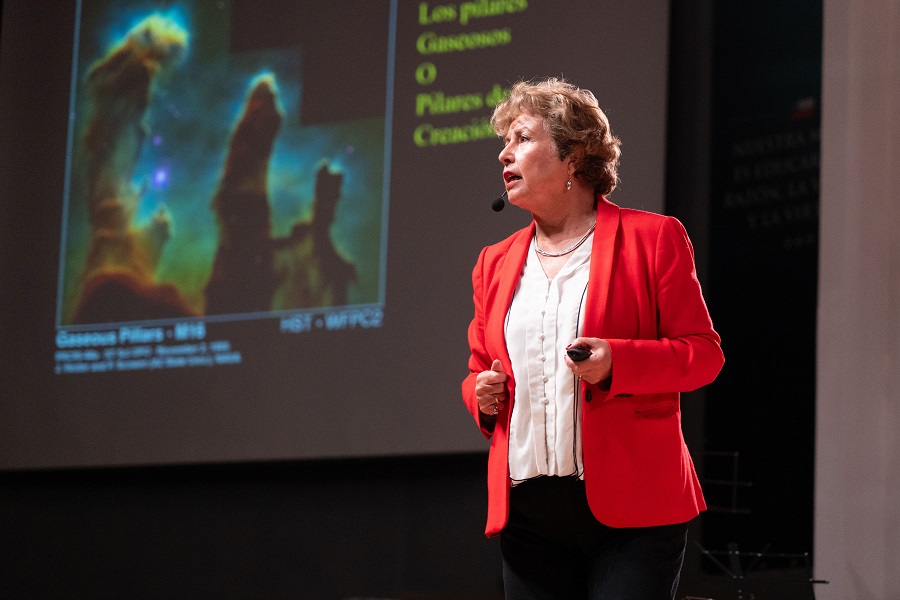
<point>572,165</point>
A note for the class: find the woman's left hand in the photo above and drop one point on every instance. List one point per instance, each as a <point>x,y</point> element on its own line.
<point>597,366</point>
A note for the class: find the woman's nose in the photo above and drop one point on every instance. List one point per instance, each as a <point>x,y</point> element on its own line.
<point>505,156</point>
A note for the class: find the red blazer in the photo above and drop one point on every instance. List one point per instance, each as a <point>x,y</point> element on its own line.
<point>643,298</point>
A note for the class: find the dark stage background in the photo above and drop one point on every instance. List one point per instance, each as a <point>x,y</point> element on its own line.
<point>408,526</point>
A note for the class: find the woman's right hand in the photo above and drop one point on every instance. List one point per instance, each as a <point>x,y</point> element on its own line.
<point>490,389</point>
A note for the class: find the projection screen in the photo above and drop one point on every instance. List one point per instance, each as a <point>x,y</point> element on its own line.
<point>244,230</point>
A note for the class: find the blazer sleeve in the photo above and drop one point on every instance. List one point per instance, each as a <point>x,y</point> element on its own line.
<point>687,354</point>
<point>479,359</point>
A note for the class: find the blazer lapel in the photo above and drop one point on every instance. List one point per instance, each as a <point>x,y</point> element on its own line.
<point>507,280</point>
<point>602,253</point>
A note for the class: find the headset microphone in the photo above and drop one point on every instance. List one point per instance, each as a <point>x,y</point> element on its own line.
<point>499,203</point>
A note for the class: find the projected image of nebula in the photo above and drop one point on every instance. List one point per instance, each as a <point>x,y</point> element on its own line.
<point>194,189</point>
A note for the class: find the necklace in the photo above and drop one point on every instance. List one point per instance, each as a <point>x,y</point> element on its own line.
<point>567,250</point>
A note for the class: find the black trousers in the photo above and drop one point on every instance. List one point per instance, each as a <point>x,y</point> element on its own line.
<point>554,549</point>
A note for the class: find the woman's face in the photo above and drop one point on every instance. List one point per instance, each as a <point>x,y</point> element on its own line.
<point>533,173</point>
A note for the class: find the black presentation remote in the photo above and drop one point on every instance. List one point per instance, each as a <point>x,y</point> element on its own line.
<point>578,353</point>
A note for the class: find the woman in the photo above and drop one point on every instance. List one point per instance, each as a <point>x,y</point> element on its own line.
<point>590,484</point>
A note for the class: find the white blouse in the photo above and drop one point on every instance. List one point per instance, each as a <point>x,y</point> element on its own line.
<point>544,317</point>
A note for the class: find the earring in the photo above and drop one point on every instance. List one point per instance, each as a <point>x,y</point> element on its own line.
<point>568,185</point>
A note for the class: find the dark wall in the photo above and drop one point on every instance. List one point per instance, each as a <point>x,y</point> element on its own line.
<point>742,174</point>
<point>763,267</point>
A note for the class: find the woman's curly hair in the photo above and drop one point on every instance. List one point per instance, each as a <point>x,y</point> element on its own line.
<point>575,123</point>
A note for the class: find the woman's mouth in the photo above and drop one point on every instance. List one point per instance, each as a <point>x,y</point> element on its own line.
<point>509,177</point>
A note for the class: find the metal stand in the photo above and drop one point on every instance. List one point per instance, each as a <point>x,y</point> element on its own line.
<point>750,582</point>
